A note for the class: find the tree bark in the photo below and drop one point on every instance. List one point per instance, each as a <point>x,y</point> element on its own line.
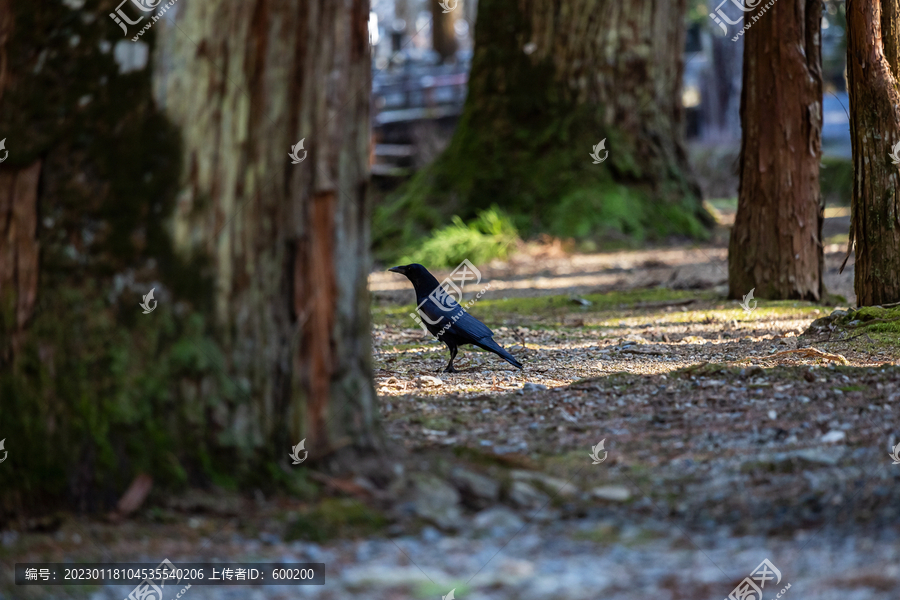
<point>289,241</point>
<point>775,246</point>
<point>19,250</point>
<point>443,32</point>
<point>550,79</point>
<point>168,170</point>
<point>873,60</point>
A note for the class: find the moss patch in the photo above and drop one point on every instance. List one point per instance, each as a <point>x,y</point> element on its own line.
<point>491,235</point>
<point>98,391</point>
<point>868,328</point>
<point>335,518</point>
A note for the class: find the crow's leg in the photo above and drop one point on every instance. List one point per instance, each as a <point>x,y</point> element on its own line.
<point>449,368</point>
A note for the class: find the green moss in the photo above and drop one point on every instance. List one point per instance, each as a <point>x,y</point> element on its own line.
<point>491,235</point>
<point>853,388</point>
<point>436,423</point>
<point>561,198</point>
<point>430,589</point>
<point>523,143</point>
<point>869,319</point>
<point>91,397</point>
<point>586,210</point>
<point>98,391</point>
<point>868,329</point>
<point>335,518</point>
<point>876,319</point>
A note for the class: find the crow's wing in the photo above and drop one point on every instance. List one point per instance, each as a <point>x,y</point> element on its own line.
<point>464,326</point>
<point>434,315</point>
<point>468,326</point>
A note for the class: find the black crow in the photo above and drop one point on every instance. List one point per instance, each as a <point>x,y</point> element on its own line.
<point>446,319</point>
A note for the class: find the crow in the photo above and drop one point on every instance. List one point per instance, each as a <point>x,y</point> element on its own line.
<point>446,319</point>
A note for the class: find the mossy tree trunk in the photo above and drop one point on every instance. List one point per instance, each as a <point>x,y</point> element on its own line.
<point>873,67</point>
<point>550,79</point>
<point>775,245</point>
<point>162,164</point>
<point>289,241</point>
<point>91,393</point>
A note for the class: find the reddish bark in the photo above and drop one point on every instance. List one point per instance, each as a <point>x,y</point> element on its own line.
<point>775,245</point>
<point>873,57</point>
<point>19,249</point>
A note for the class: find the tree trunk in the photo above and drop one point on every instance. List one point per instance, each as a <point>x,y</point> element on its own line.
<point>162,164</point>
<point>443,32</point>
<point>289,241</point>
<point>19,249</point>
<point>873,60</point>
<point>775,245</point>
<point>551,79</point>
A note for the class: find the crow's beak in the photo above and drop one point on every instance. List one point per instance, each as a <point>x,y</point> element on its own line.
<point>396,270</point>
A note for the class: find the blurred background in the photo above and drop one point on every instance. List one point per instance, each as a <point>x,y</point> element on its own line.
<point>419,89</point>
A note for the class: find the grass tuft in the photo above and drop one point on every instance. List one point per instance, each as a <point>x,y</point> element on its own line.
<point>491,235</point>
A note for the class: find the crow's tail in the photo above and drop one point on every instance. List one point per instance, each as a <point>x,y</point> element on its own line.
<point>489,344</point>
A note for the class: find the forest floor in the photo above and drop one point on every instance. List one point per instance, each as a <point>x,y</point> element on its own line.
<point>729,436</point>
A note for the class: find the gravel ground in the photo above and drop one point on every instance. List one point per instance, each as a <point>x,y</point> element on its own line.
<point>726,441</point>
<point>648,560</point>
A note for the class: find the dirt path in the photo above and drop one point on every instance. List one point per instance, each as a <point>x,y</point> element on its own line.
<point>546,270</point>
<point>719,418</point>
<point>721,447</point>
